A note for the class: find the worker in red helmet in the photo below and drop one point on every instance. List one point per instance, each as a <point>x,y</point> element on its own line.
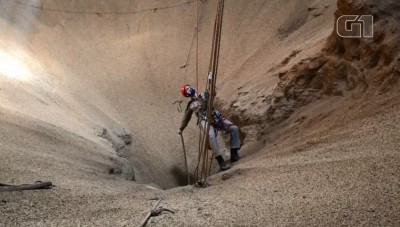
<point>198,105</point>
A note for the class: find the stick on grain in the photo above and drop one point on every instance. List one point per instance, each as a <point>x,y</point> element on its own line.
<point>35,186</point>
<point>144,222</point>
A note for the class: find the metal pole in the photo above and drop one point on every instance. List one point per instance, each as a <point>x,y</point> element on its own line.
<point>184,155</point>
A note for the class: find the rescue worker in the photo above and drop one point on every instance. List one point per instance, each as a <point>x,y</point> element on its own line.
<point>198,105</point>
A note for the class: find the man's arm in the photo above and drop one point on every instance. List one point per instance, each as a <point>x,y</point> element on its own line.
<point>186,119</point>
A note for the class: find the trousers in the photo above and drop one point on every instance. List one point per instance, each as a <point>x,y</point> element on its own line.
<point>227,126</point>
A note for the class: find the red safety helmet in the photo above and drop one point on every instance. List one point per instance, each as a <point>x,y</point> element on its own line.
<point>187,90</point>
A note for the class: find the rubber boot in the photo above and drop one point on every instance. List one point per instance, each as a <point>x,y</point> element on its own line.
<point>234,155</point>
<point>221,162</point>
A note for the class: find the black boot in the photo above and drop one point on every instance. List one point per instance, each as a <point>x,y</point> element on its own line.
<point>221,162</point>
<point>234,155</point>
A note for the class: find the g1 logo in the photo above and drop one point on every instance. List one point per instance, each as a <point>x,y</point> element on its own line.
<point>355,26</point>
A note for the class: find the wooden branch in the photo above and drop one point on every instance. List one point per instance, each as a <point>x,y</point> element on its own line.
<point>144,222</point>
<point>155,212</point>
<point>159,210</point>
<point>22,187</point>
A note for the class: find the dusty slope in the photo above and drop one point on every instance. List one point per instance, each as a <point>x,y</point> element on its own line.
<point>118,59</point>
<point>98,62</point>
<point>94,68</point>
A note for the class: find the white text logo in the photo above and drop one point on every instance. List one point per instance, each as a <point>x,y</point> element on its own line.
<point>355,26</point>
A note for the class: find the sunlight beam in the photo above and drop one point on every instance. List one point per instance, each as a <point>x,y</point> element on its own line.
<point>12,67</point>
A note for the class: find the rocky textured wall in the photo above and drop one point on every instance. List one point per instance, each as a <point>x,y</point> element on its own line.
<point>344,67</point>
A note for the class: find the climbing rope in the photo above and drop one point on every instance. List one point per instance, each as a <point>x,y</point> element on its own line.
<point>203,161</point>
<point>199,14</point>
<point>186,65</point>
<point>197,45</point>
